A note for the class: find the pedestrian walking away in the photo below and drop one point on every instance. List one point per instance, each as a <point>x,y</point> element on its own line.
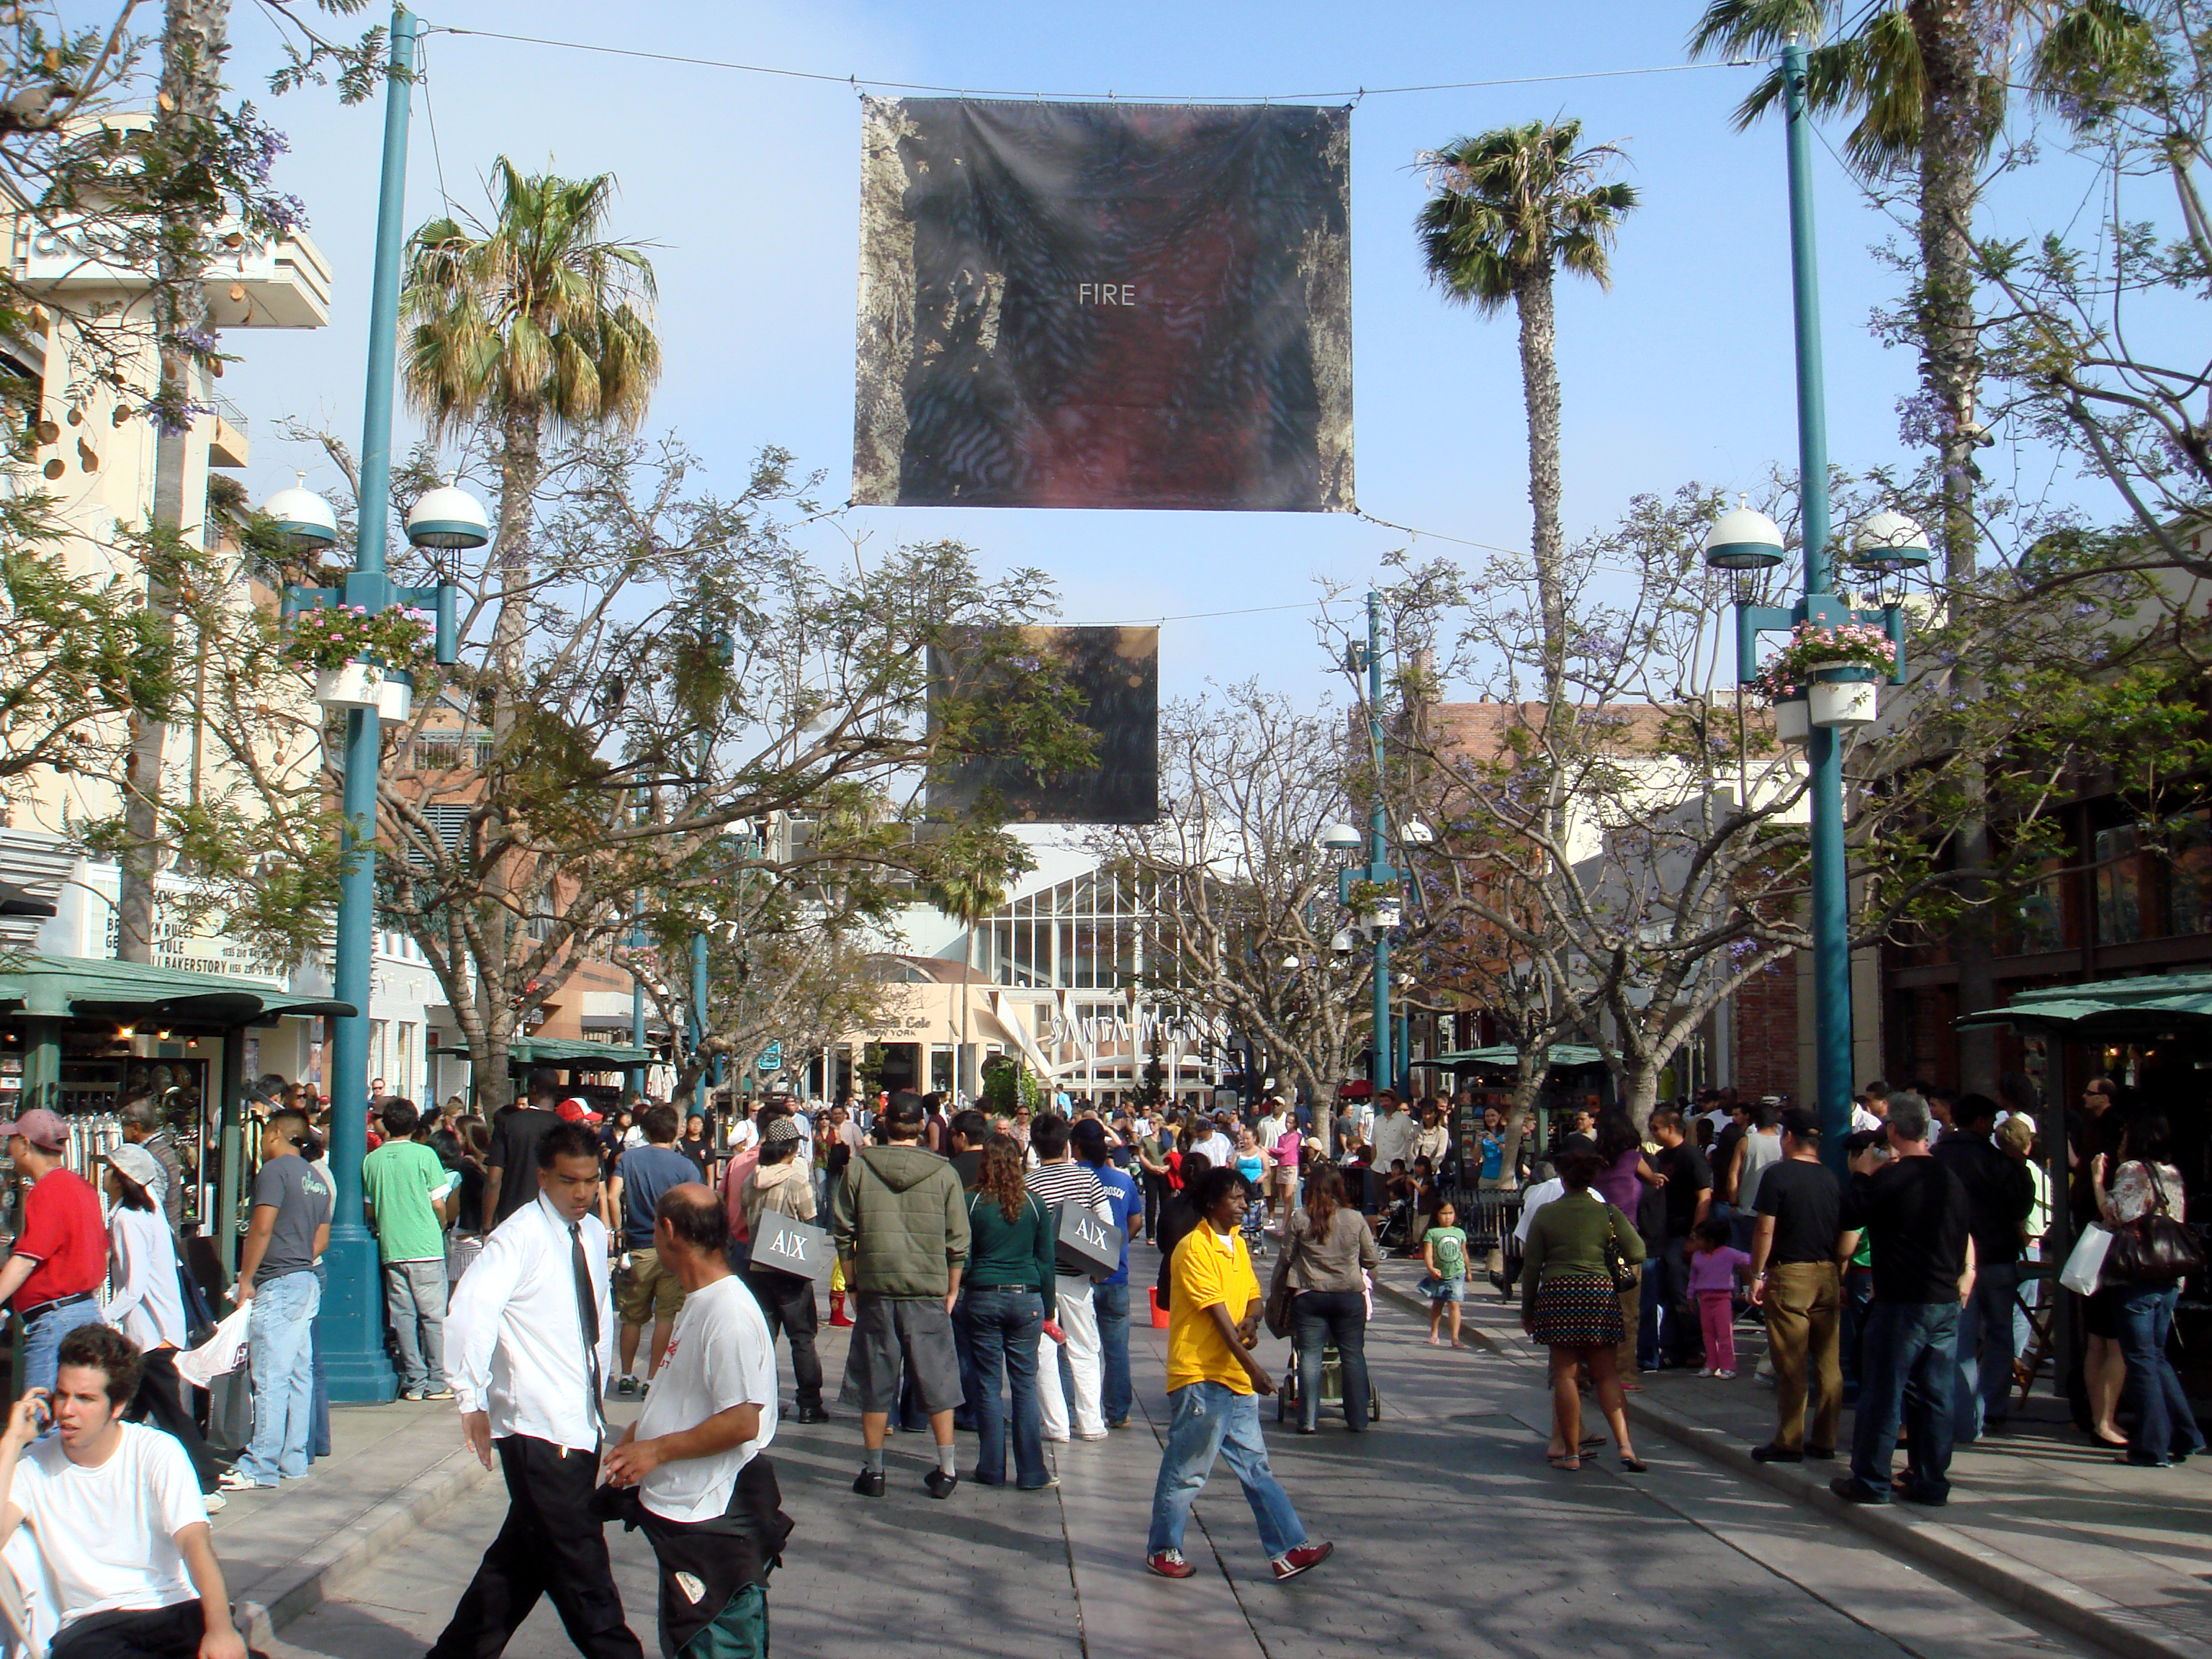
<point>115,1514</point>
<point>285,1238</point>
<point>411,1196</point>
<point>1579,1247</point>
<point>901,1224</point>
<point>1074,1406</point>
<point>1796,1279</point>
<point>1109,1296</point>
<point>691,1473</point>
<point>647,1290</point>
<point>2000,1193</point>
<point>53,1272</point>
<point>1009,1283</point>
<point>147,1304</point>
<point>1328,1251</point>
<point>1214,1388</point>
<point>2143,1187</point>
<point>781,1182</point>
<point>1917,1218</point>
<point>531,1335</point>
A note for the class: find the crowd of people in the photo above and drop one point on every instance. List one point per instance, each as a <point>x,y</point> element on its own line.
<point>557,1256</point>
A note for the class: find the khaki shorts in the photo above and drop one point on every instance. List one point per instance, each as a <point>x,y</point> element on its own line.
<point>647,1290</point>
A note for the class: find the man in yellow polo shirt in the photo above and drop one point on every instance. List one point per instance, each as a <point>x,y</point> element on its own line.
<point>1214,1384</point>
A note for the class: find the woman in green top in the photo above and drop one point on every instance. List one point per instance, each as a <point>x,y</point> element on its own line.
<point>1010,1273</point>
<point>1568,1302</point>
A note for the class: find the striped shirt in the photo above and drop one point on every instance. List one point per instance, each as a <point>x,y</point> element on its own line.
<point>1071,1183</point>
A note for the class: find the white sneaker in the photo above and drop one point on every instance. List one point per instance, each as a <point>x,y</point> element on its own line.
<point>1725,1376</point>
<point>214,1501</point>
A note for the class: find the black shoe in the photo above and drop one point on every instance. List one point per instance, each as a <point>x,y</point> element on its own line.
<point>1822,1454</point>
<point>1849,1488</point>
<point>1773,1454</point>
<point>938,1483</point>
<point>869,1483</point>
<point>816,1412</point>
<point>1119,1422</point>
<point>626,1388</point>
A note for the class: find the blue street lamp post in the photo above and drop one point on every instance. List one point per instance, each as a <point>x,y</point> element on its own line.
<point>351,1323</point>
<point>1748,543</point>
<point>1378,871</point>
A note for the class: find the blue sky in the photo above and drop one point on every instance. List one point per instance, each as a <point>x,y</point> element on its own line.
<point>748,184</point>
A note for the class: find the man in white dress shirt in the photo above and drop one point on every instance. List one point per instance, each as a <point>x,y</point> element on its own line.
<point>531,1335</point>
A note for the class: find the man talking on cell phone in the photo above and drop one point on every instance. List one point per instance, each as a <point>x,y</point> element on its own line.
<point>117,1513</point>
<point>530,1335</point>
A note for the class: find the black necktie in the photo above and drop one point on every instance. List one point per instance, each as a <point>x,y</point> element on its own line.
<point>587,1319</point>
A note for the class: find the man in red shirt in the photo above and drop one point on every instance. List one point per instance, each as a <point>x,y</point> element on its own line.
<point>52,1275</point>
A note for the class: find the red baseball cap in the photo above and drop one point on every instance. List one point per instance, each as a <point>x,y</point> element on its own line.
<point>576,1111</point>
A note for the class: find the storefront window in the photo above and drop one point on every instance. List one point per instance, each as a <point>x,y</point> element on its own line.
<point>2119,886</point>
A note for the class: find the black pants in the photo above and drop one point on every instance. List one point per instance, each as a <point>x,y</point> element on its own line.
<point>1156,1194</point>
<point>1682,1339</point>
<point>164,1633</point>
<point>160,1397</point>
<point>550,1546</point>
<point>1337,1319</point>
<point>786,1302</point>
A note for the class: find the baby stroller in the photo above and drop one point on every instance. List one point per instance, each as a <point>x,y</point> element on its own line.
<point>1255,1225</point>
<point>1332,1388</point>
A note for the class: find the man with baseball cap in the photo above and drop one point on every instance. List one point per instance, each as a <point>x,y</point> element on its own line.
<point>53,1276</point>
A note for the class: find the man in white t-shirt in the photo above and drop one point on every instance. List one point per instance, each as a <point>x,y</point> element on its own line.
<point>709,1498</point>
<point>116,1513</point>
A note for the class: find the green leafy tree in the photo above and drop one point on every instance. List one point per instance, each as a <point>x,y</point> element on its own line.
<point>1509,210</point>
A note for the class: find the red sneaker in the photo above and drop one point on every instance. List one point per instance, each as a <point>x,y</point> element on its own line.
<point>1304,1559</point>
<point>1170,1563</point>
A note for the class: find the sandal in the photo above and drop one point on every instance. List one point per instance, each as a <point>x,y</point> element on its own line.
<point>1569,1462</point>
<point>1633,1463</point>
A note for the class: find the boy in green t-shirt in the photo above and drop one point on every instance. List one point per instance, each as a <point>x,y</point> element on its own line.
<point>1443,1247</point>
<point>411,1197</point>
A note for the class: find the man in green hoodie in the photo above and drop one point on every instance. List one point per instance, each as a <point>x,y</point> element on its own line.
<point>901,1224</point>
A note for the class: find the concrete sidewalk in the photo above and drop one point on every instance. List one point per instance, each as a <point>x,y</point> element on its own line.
<point>2038,1517</point>
<point>392,1468</point>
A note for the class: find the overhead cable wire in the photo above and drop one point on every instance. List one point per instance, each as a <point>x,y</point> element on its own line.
<point>1352,93</point>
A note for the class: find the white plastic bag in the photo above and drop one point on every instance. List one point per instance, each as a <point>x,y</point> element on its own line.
<point>222,1353</point>
<point>2087,1261</point>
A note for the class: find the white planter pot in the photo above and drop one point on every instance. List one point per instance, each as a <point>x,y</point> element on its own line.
<point>395,701</point>
<point>1793,720</point>
<point>1842,702</point>
<point>350,685</point>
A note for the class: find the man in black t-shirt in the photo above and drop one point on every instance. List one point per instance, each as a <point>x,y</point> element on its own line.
<point>513,1157</point>
<point>2000,1193</point>
<point>1686,1184</point>
<point>1918,1215</point>
<point>1797,1278</point>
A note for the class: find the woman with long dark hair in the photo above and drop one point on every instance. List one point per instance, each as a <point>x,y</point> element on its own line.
<point>1327,1252</point>
<point>2144,1183</point>
<point>1622,1182</point>
<point>1003,1296</point>
<point>1568,1304</point>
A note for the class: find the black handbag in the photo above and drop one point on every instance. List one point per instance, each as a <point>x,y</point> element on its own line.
<point>1626,1276</point>
<point>2154,1248</point>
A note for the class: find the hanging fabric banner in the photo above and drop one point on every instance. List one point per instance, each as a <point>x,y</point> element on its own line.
<point>1104,305</point>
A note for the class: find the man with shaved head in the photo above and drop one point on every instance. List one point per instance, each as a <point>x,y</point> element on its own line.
<point>690,1470</point>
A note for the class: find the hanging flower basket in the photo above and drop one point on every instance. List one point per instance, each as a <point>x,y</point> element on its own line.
<point>350,685</point>
<point>1793,721</point>
<point>330,637</point>
<point>1853,651</point>
<point>1834,702</point>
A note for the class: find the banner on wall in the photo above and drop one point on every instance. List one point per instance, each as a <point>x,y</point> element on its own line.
<point>1104,306</point>
<point>1116,673</point>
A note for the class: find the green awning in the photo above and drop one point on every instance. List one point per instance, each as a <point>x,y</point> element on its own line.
<point>568,1051</point>
<point>1505,1057</point>
<point>2109,1010</point>
<point>80,988</point>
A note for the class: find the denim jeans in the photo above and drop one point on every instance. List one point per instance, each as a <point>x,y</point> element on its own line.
<point>1003,1329</point>
<point>414,1302</point>
<point>1117,1397</point>
<point>1212,1421</point>
<point>1909,1359</point>
<point>42,1338</point>
<point>282,1367</point>
<point>2165,1426</point>
<point>1648,1314</point>
<point>1985,1350</point>
<point>1321,1318</point>
<point>318,1396</point>
<point>1858,1297</point>
<point>1682,1342</point>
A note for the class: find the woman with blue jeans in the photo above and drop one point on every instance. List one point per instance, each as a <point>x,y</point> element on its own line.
<point>2165,1431</point>
<point>1003,1291</point>
<point>1327,1253</point>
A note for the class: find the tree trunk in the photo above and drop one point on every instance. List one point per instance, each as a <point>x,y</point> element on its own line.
<point>1540,385</point>
<point>195,36</point>
<point>520,468</point>
<point>1950,375</point>
<point>1527,1084</point>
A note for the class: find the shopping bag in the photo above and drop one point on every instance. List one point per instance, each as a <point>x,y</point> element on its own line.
<point>222,1353</point>
<point>791,1246</point>
<point>2087,1261</point>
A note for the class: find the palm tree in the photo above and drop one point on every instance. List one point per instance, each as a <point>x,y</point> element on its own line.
<point>534,323</point>
<point>1510,209</point>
